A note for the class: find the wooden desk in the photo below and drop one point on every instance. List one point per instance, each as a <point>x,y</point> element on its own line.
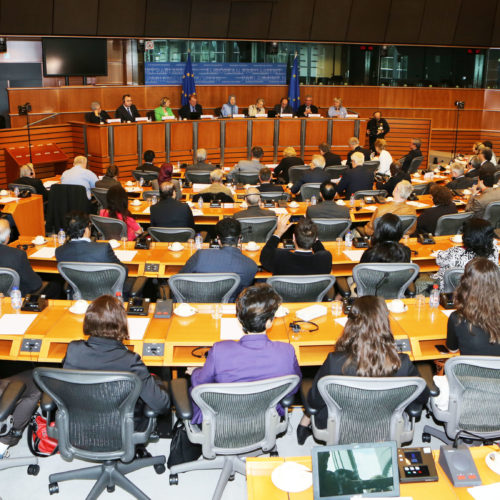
<point>27,213</point>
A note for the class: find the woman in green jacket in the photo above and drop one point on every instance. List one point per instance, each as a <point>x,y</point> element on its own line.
<point>163,109</point>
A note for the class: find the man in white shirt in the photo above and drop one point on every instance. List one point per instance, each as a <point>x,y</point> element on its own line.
<point>79,175</point>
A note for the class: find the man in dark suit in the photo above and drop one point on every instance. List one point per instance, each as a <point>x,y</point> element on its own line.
<point>110,179</point>
<point>327,208</point>
<point>265,185</point>
<point>79,247</point>
<point>485,155</point>
<point>97,115</point>
<point>397,175</point>
<point>169,212</point>
<point>16,259</point>
<point>192,110</point>
<point>357,179</point>
<point>414,152</point>
<point>201,162</point>
<point>308,108</point>
<point>283,108</point>
<point>355,147</point>
<point>331,159</point>
<point>227,259</point>
<point>316,174</point>
<point>148,165</point>
<point>460,181</point>
<point>252,198</point>
<point>376,128</point>
<point>127,112</point>
<point>27,176</point>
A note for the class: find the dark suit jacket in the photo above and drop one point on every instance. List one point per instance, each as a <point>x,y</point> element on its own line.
<point>288,110</point>
<point>392,181</point>
<point>302,108</point>
<point>148,167</point>
<point>202,166</point>
<point>331,159</point>
<point>185,111</point>
<point>171,213</point>
<point>106,182</point>
<point>356,179</point>
<point>461,182</point>
<point>317,175</point>
<point>327,210</point>
<point>358,149</point>
<point>284,165</point>
<point>17,260</point>
<point>92,118</point>
<point>427,220</point>
<point>36,183</point>
<point>270,188</point>
<point>409,157</point>
<point>87,251</point>
<point>254,212</point>
<point>474,172</point>
<point>124,115</point>
<point>99,353</point>
<point>280,261</point>
<point>372,127</point>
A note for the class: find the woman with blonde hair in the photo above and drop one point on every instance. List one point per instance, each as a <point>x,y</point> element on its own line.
<point>337,110</point>
<point>163,109</point>
<point>289,159</point>
<point>383,156</point>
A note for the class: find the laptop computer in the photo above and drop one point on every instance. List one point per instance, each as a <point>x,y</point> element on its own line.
<point>367,469</point>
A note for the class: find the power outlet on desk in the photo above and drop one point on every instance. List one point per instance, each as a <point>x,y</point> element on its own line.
<point>152,349</point>
<point>152,267</point>
<point>403,345</point>
<point>31,345</point>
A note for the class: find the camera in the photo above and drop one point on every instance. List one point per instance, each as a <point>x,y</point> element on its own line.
<point>460,104</point>
<point>24,109</point>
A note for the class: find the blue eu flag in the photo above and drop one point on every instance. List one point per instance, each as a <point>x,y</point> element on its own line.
<point>293,86</point>
<point>188,86</point>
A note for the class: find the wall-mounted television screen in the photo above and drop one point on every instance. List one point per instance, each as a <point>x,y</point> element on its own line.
<point>74,57</point>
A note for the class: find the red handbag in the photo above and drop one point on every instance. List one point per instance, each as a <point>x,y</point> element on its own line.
<point>39,442</point>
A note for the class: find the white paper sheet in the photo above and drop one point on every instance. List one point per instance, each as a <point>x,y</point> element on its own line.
<point>485,492</point>
<point>197,212</point>
<point>310,313</point>
<point>137,327</point>
<point>146,210</point>
<point>48,184</point>
<point>16,324</point>
<point>279,211</point>
<point>125,255</point>
<point>8,199</point>
<point>354,255</point>
<point>44,253</point>
<point>372,208</point>
<point>417,204</point>
<point>230,329</point>
<point>341,321</point>
<point>448,311</point>
<point>229,309</point>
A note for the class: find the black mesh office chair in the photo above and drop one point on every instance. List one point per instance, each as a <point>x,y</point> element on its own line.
<point>95,421</point>
<point>246,178</point>
<point>336,171</point>
<point>309,189</point>
<point>372,165</point>
<point>8,280</point>
<point>358,195</point>
<point>492,213</point>
<point>147,195</point>
<point>415,164</point>
<point>451,223</point>
<point>258,229</point>
<point>198,176</point>
<point>274,196</point>
<point>308,288</point>
<point>22,187</point>
<point>451,278</point>
<point>109,228</point>
<point>209,197</point>
<point>331,229</point>
<point>147,176</point>
<point>100,195</point>
<point>296,173</point>
<point>420,189</point>
<point>204,287</point>
<point>407,221</point>
<point>170,234</point>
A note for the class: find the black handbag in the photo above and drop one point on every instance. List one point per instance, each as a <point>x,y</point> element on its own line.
<point>181,449</point>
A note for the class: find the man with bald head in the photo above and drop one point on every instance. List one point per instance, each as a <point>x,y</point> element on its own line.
<point>79,175</point>
<point>252,198</point>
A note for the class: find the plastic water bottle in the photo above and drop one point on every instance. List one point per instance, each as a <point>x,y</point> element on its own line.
<point>198,241</point>
<point>434,297</point>
<point>313,200</point>
<point>200,203</point>
<point>141,181</point>
<point>16,192</point>
<point>348,239</point>
<point>16,299</point>
<point>351,201</point>
<point>61,237</point>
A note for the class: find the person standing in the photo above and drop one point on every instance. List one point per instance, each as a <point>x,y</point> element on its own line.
<point>376,128</point>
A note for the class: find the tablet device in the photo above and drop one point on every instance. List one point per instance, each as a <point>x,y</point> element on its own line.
<point>367,469</point>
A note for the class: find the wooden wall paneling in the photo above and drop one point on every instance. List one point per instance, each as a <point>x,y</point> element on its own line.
<point>366,23</point>
<point>290,134</point>
<point>209,134</point>
<point>404,21</point>
<point>263,133</point>
<point>26,17</point>
<point>342,131</point>
<point>181,142</point>
<point>97,140</point>
<point>209,19</point>
<point>482,10</point>
<point>125,139</point>
<point>119,19</point>
<point>316,133</point>
<point>242,12</point>
<point>439,21</point>
<point>291,19</point>
<point>153,137</point>
<point>329,19</point>
<point>84,12</point>
<point>236,134</point>
<point>158,16</point>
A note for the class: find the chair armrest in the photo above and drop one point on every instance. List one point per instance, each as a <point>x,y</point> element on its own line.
<point>9,398</point>
<point>287,401</point>
<point>414,409</point>
<point>47,404</point>
<point>342,286</point>
<point>425,371</point>
<point>181,399</point>
<point>411,291</point>
<point>149,412</point>
<point>138,286</point>
<point>305,387</point>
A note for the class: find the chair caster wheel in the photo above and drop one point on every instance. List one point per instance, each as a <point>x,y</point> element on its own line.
<point>33,470</point>
<point>274,454</point>
<point>173,479</point>
<point>110,489</point>
<point>426,438</point>
<point>159,468</point>
<point>53,488</point>
<point>231,477</point>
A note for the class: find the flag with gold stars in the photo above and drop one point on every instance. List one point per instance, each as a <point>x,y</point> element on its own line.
<point>188,86</point>
<point>293,86</point>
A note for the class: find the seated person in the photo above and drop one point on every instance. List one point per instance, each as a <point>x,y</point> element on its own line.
<point>216,185</point>
<point>337,110</point>
<point>316,174</point>
<point>283,108</point>
<point>97,115</point>
<point>27,176</point>
<point>356,148</point>
<point>252,198</point>
<point>105,323</point>
<point>365,349</point>
<point>16,259</point>
<point>117,201</point>
<point>148,165</point>
<point>165,175</point>
<point>475,164</point>
<point>229,108</point>
<point>127,112</point>
<point>253,357</point>
<point>290,159</point>
<point>201,162</point>
<point>79,175</point>
<point>252,166</point>
<point>384,244</point>
<point>398,206</point>
<point>359,178</point>
<point>309,256</point>
<point>414,152</point>
<point>478,241</point>
<point>265,185</point>
<point>383,156</point>
<point>169,212</point>
<point>459,180</point>
<point>443,205</point>
<point>79,248</point>
<point>109,179</point>
<point>192,110</point>
<point>484,192</point>
<point>308,108</point>
<point>331,159</point>
<point>227,259</point>
<point>474,329</point>
<point>258,108</point>
<point>327,208</point>
<point>397,175</point>
<point>489,145</point>
<point>163,109</point>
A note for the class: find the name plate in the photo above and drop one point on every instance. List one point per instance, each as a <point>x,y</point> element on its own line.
<point>286,115</point>
<point>142,119</point>
<point>113,120</point>
<point>167,117</point>
<point>314,115</point>
<point>261,115</point>
<point>207,117</point>
<point>351,115</point>
<point>239,115</point>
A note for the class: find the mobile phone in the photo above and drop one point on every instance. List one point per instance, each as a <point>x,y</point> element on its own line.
<point>442,348</point>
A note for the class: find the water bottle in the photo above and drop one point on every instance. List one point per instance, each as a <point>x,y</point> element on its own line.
<point>313,200</point>
<point>16,299</point>
<point>200,203</point>
<point>16,192</point>
<point>434,297</point>
<point>61,237</point>
<point>198,241</point>
<point>351,201</point>
<point>348,239</point>
<point>154,200</point>
<point>141,181</point>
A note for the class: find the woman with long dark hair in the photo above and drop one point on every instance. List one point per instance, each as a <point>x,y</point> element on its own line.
<point>474,328</point>
<point>365,349</point>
